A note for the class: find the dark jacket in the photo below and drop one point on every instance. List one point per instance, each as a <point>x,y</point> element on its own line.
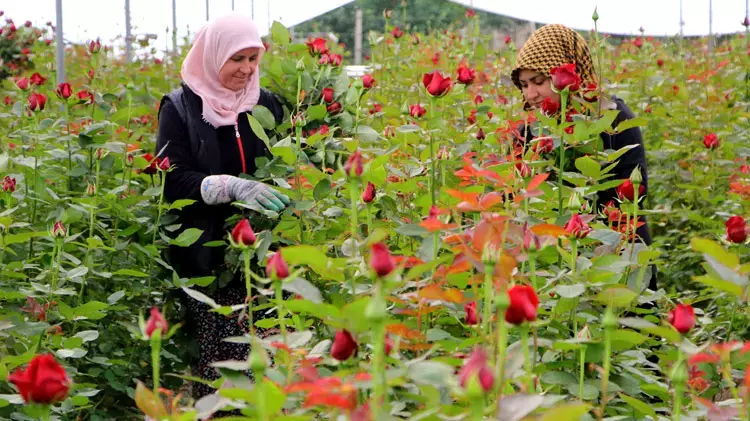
<point>196,149</point>
<point>635,157</point>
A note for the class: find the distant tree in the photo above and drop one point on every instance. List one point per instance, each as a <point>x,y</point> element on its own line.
<point>421,16</point>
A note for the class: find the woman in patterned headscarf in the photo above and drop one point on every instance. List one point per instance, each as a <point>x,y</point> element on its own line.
<point>556,45</point>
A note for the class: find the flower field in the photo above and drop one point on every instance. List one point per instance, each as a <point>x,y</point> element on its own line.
<point>444,253</point>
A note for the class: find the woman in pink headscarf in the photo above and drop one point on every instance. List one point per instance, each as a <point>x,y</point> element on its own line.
<point>205,133</point>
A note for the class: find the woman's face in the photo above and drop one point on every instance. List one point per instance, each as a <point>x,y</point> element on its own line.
<point>236,72</point>
<point>535,87</point>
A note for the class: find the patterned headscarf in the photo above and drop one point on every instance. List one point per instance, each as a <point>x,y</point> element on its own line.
<point>552,46</point>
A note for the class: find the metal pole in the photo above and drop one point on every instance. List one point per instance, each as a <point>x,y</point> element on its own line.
<point>206,10</point>
<point>710,26</point>
<point>128,34</point>
<point>682,23</point>
<point>358,37</point>
<point>268,10</point>
<point>59,43</point>
<point>233,5</point>
<point>174,27</point>
<point>252,9</point>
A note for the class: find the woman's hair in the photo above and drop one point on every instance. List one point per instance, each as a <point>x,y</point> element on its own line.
<point>552,46</point>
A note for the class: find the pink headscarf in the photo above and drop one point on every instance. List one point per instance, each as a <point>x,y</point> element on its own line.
<point>214,44</point>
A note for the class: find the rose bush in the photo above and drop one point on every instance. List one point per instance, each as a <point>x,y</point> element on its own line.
<point>433,270</point>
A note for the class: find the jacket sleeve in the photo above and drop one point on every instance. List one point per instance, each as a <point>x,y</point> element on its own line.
<point>184,181</point>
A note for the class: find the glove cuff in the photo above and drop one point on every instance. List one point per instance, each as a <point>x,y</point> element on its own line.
<point>215,189</point>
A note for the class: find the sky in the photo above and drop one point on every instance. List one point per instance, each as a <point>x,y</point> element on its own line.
<point>88,19</point>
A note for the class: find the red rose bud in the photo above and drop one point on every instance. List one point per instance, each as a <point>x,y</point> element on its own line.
<point>344,345</point>
<point>37,102</point>
<point>58,229</point>
<point>466,75</point>
<point>353,166</point>
<point>156,322</point>
<point>550,106</point>
<point>37,79</point>
<point>736,229</point>
<point>376,108</point>
<point>476,367</point>
<point>523,169</point>
<point>576,227</point>
<point>544,145</point>
<point>626,190</point>
<point>90,74</point>
<point>369,194</point>
<point>417,111</point>
<point>335,59</point>
<point>436,84</point>
<point>381,260</point>
<point>327,95</point>
<point>368,81</point>
<point>323,130</point>
<point>711,141</point>
<point>317,46</point>
<point>44,381</point>
<point>508,39</point>
<point>397,32</point>
<point>164,164</point>
<point>95,46</point>
<point>659,62</point>
<point>472,317</point>
<point>472,118</point>
<point>243,234</point>
<point>151,168</point>
<point>590,93</point>
<point>478,100</point>
<point>22,83</point>
<point>566,76</point>
<point>334,108</point>
<point>8,100</point>
<point>523,305</point>
<point>277,268</point>
<point>85,97</point>
<point>388,346</point>
<point>27,24</point>
<point>64,91</point>
<point>682,318</point>
<point>481,135</point>
<point>9,184</point>
<point>470,13</point>
<point>638,42</point>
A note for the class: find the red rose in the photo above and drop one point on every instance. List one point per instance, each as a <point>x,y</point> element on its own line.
<point>344,345</point>
<point>626,190</point>
<point>523,305</point>
<point>576,227</point>
<point>37,79</point>
<point>37,102</point>
<point>417,111</point>
<point>369,194</point>
<point>334,108</point>
<point>550,106</point>
<point>152,164</point>
<point>381,260</point>
<point>8,100</point>
<point>436,84</point>
<point>397,32</point>
<point>334,59</point>
<point>376,108</point>
<point>95,46</point>
<point>477,366</point>
<point>243,234</point>
<point>353,165</point>
<point>544,145</point>
<point>22,83</point>
<point>481,135</point>
<point>277,268</point>
<point>638,42</point>
<point>156,322</point>
<point>472,317</point>
<point>43,382</point>
<point>682,318</point>
<point>711,141</point>
<point>327,95</point>
<point>58,229</point>
<point>466,75</point>
<point>317,46</point>
<point>736,229</point>
<point>478,100</point>
<point>164,164</point>
<point>508,39</point>
<point>368,81</point>
<point>523,169</point>
<point>566,76</point>
<point>9,184</point>
<point>64,91</point>
<point>659,62</point>
<point>85,97</point>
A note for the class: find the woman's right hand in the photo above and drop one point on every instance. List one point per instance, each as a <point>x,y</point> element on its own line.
<point>217,189</point>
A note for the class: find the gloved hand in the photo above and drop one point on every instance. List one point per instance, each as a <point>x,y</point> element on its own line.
<point>216,189</point>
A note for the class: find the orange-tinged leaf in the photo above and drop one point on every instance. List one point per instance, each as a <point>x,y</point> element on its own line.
<point>548,229</point>
<point>415,312</point>
<point>397,300</point>
<point>431,292</point>
<point>434,224</point>
<point>463,196</point>
<point>415,347</point>
<point>148,403</point>
<point>537,181</point>
<point>453,295</point>
<point>399,329</point>
<point>490,199</point>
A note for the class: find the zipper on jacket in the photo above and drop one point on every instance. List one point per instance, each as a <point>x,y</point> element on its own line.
<point>239,145</point>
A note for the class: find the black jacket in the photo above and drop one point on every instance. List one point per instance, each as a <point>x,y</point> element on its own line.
<point>635,157</point>
<point>195,150</point>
